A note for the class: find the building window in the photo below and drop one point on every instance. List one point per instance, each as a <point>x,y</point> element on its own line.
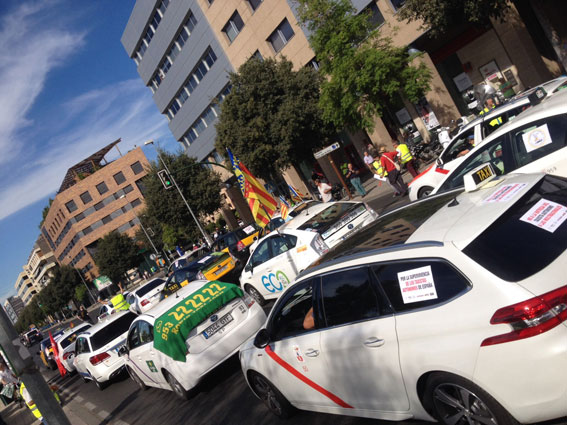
<point>254,4</point>
<point>135,202</point>
<point>137,167</point>
<point>313,64</point>
<point>106,220</point>
<point>217,157</point>
<point>102,188</point>
<point>233,26</point>
<point>141,186</point>
<point>281,36</point>
<point>87,230</point>
<point>71,206</point>
<point>258,55</point>
<point>376,18</point>
<point>99,205</point>
<point>119,178</point>
<point>397,4</point>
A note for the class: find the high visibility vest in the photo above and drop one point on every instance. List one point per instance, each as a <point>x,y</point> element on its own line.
<point>119,302</point>
<point>379,169</point>
<point>405,154</point>
<point>494,122</point>
<point>31,405</point>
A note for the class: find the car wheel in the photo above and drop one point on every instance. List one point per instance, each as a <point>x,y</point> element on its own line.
<point>176,387</point>
<point>272,398</point>
<point>454,400</point>
<point>253,292</point>
<point>100,385</point>
<point>137,380</point>
<point>424,192</point>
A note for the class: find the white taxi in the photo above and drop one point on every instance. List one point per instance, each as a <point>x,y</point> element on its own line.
<point>146,296</point>
<point>277,259</point>
<point>66,345</point>
<point>452,308</point>
<point>175,344</point>
<point>536,141</point>
<point>96,349</point>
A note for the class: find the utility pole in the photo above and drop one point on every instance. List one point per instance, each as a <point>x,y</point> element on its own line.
<point>24,366</point>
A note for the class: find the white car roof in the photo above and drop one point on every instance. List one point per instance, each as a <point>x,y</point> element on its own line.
<point>69,331</point>
<point>307,214</point>
<point>108,320</point>
<point>134,292</point>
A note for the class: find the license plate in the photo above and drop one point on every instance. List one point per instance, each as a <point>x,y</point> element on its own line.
<point>222,269</point>
<point>217,326</point>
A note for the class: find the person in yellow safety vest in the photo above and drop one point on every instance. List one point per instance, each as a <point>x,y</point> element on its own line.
<point>406,158</point>
<point>489,104</point>
<point>118,301</point>
<point>31,404</point>
<point>380,173</point>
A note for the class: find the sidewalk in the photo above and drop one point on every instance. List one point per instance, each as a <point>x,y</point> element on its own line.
<point>376,189</point>
<point>14,415</point>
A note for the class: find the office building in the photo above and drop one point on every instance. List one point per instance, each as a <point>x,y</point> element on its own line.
<point>13,307</point>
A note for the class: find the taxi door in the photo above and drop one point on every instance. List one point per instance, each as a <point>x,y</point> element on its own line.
<point>82,351</point>
<point>294,363</point>
<point>142,355</point>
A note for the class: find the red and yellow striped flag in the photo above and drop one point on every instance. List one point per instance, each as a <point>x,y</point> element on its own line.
<point>261,203</point>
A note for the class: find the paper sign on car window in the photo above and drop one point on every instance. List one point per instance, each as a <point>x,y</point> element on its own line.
<point>204,259</point>
<point>546,215</point>
<point>249,230</point>
<point>417,285</point>
<point>536,138</point>
<point>505,193</point>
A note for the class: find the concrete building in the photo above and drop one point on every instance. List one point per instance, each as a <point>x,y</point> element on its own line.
<point>184,51</point>
<point>25,287</point>
<point>94,199</point>
<point>13,307</point>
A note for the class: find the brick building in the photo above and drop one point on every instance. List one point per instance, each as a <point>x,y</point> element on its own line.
<point>95,198</point>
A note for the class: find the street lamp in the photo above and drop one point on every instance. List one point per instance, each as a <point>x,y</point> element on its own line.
<point>208,239</point>
<point>83,279</point>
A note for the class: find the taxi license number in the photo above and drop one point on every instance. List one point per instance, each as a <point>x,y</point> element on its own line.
<point>217,326</point>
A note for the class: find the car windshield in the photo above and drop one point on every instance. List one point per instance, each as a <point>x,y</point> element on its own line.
<point>338,213</point>
<point>302,207</point>
<point>69,339</point>
<point>515,247</point>
<point>112,331</point>
<point>148,287</point>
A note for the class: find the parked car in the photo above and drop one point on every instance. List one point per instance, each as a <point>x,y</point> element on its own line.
<point>277,259</point>
<point>66,345</point>
<point>46,351</point>
<point>237,242</point>
<point>31,337</point>
<point>536,141</point>
<point>443,309</point>
<point>96,350</point>
<point>174,345</point>
<point>146,296</point>
<point>187,258</point>
<point>104,311</point>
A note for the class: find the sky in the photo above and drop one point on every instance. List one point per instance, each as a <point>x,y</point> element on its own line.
<point>67,88</point>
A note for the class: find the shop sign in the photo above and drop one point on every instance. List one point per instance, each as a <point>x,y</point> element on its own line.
<point>490,71</point>
<point>426,114</point>
<point>403,116</point>
<point>326,151</point>
<point>102,282</point>
<point>462,81</point>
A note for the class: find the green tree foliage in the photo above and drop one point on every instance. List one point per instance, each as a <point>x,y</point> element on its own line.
<point>45,212</point>
<point>363,70</point>
<point>31,314</point>
<point>440,15</point>
<point>200,186</point>
<point>116,254</point>
<point>81,294</point>
<point>271,119</point>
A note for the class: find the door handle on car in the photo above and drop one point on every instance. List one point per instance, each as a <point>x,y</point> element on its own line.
<point>312,353</point>
<point>374,342</point>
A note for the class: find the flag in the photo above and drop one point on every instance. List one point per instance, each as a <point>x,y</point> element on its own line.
<point>261,203</point>
<point>296,195</point>
<point>284,208</point>
<point>60,366</point>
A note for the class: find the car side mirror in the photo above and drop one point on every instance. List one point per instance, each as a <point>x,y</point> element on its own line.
<point>262,338</point>
<point>249,267</point>
<point>123,350</point>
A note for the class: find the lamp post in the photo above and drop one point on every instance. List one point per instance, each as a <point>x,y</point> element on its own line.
<point>143,228</point>
<point>208,239</point>
<point>84,282</point>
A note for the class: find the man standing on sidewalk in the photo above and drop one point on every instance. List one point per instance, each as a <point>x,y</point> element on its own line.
<point>405,156</point>
<point>388,162</point>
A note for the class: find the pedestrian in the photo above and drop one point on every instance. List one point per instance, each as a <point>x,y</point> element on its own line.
<point>368,160</point>
<point>371,149</point>
<point>381,174</point>
<point>405,157</point>
<point>353,174</point>
<point>83,315</point>
<point>388,161</point>
<point>324,190</point>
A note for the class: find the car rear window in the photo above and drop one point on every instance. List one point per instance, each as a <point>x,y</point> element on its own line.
<point>148,287</point>
<point>69,339</point>
<point>331,218</point>
<point>514,249</point>
<point>112,331</point>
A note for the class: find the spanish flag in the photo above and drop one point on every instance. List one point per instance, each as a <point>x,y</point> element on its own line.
<point>261,203</point>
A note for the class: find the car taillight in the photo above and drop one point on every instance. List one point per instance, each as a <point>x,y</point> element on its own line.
<point>99,358</point>
<point>248,300</point>
<point>68,354</point>
<point>530,317</point>
<point>240,246</point>
<point>145,302</point>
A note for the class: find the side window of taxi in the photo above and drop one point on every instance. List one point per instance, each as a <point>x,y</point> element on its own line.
<point>343,290</point>
<point>146,332</point>
<point>540,138</point>
<point>459,145</point>
<point>282,244</point>
<point>81,346</point>
<point>261,253</point>
<point>294,315</point>
<point>411,285</point>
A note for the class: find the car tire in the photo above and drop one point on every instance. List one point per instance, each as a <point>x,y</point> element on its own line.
<point>177,388</point>
<point>270,395</point>
<point>424,192</point>
<point>253,292</point>
<point>137,380</point>
<point>448,396</point>
<point>100,385</point>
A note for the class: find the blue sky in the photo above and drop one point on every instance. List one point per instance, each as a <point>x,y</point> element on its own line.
<point>67,88</point>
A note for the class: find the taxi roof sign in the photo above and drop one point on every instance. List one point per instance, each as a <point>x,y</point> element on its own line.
<point>478,177</point>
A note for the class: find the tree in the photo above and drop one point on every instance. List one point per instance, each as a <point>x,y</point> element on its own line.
<point>116,254</point>
<point>271,118</point>
<point>45,211</point>
<point>440,15</point>
<point>363,70</point>
<point>200,186</point>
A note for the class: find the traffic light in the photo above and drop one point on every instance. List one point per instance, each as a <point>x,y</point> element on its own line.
<point>165,179</point>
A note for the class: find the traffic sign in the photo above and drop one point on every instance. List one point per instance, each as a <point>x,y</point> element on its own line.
<point>326,150</point>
